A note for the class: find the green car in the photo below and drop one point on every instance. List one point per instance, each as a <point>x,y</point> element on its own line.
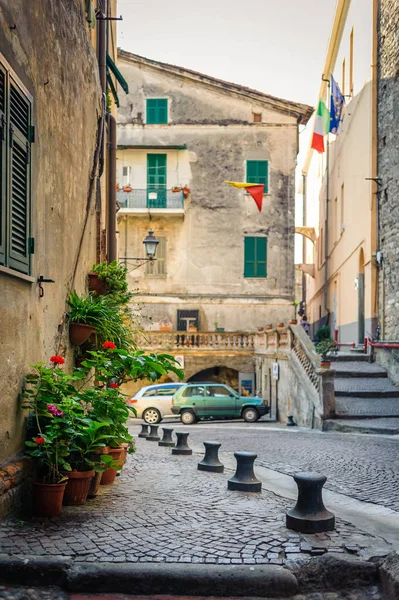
<point>196,401</point>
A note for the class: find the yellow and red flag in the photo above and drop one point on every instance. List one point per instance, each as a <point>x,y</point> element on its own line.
<point>255,189</point>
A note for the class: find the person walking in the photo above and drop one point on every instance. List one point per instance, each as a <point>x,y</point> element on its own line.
<point>305,324</point>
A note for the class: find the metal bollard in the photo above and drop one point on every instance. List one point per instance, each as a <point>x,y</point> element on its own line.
<point>153,435</point>
<point>244,479</point>
<point>310,515</point>
<point>167,438</point>
<point>144,431</point>
<point>211,461</point>
<point>291,422</point>
<point>182,446</point>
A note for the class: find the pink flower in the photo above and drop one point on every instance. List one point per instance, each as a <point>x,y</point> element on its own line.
<point>109,346</point>
<point>57,360</point>
<point>54,410</point>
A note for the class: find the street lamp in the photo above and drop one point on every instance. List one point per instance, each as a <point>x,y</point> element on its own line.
<point>150,244</point>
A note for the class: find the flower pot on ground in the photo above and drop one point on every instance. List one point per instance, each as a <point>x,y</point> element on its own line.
<point>97,285</point>
<point>47,498</point>
<point>110,474</point>
<point>77,487</point>
<point>79,333</point>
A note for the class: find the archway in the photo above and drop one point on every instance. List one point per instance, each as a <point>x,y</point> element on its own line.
<point>361,298</point>
<point>218,374</point>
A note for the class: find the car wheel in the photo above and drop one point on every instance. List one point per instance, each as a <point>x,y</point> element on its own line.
<point>250,415</point>
<point>151,416</point>
<point>188,417</point>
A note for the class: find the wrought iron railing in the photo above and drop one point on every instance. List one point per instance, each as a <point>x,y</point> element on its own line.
<point>150,198</point>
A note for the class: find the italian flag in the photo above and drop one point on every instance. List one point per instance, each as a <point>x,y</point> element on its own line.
<point>321,127</point>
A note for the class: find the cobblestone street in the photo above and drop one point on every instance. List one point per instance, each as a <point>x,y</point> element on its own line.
<point>162,509</point>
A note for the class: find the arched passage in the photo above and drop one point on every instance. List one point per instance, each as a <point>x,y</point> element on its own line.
<point>218,374</point>
<point>361,297</point>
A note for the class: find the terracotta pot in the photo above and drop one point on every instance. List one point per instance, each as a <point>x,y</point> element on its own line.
<point>47,498</point>
<point>79,333</point>
<point>94,485</point>
<point>165,328</point>
<point>125,447</point>
<point>269,327</point>
<point>110,474</point>
<point>260,329</point>
<point>77,487</point>
<point>97,285</point>
<point>325,364</point>
<point>280,324</point>
<point>293,322</point>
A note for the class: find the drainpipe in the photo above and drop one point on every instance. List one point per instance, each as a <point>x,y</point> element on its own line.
<point>111,196</point>
<point>326,236</point>
<point>304,222</point>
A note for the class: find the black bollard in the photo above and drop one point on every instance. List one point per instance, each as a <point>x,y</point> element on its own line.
<point>144,431</point>
<point>153,435</point>
<point>291,422</point>
<point>167,438</point>
<point>244,479</point>
<point>211,461</point>
<point>310,515</point>
<point>182,446</point>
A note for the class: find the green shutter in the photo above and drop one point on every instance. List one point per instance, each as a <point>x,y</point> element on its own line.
<point>258,172</point>
<point>157,111</point>
<point>19,177</point>
<point>3,169</point>
<point>255,257</point>
<point>156,180</point>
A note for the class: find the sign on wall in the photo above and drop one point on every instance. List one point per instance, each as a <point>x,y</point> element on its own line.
<point>276,371</point>
<point>180,360</point>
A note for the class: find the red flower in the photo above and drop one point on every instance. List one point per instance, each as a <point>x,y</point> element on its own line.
<point>113,385</point>
<point>109,345</point>
<point>40,440</point>
<point>57,360</point>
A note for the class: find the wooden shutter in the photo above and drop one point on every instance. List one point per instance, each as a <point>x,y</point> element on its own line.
<point>255,257</point>
<point>157,111</point>
<point>19,209</point>
<point>3,167</point>
<point>158,266</point>
<point>258,172</point>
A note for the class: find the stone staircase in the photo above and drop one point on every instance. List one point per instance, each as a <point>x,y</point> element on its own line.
<point>365,399</point>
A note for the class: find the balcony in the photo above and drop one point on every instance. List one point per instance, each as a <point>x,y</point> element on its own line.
<point>153,200</point>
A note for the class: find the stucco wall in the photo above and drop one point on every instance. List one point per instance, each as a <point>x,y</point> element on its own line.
<point>50,51</point>
<point>388,160</point>
<point>205,247</point>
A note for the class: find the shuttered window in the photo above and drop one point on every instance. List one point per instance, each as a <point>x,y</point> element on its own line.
<point>158,266</point>
<point>15,142</point>
<point>157,111</point>
<point>258,172</point>
<point>255,257</point>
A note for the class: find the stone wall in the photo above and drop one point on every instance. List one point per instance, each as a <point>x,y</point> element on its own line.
<point>48,47</point>
<point>388,161</point>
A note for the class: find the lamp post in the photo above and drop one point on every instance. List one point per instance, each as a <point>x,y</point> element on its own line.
<point>150,244</point>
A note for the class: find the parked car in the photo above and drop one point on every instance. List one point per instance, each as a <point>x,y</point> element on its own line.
<point>196,401</point>
<point>154,402</point>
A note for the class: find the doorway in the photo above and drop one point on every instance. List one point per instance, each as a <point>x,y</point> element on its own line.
<point>361,299</point>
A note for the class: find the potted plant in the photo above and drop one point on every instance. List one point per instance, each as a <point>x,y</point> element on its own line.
<point>110,278</point>
<point>192,328</point>
<point>165,325</point>
<point>325,348</point>
<point>280,325</point>
<point>260,329</point>
<point>269,326</point>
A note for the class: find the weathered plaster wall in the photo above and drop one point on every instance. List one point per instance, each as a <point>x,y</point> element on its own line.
<point>50,51</point>
<point>388,161</point>
<point>205,249</point>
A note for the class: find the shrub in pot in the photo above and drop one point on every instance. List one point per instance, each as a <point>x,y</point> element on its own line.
<point>110,278</point>
<point>326,348</point>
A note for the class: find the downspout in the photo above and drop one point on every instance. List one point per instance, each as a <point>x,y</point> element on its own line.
<point>326,236</point>
<point>304,222</point>
<point>111,196</point>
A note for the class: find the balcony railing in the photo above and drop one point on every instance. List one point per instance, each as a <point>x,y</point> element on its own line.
<point>208,341</point>
<point>150,198</point>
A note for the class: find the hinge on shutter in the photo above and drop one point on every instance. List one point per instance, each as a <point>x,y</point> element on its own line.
<point>31,245</point>
<point>3,127</point>
<point>31,133</point>
<point>11,136</point>
<point>27,153</point>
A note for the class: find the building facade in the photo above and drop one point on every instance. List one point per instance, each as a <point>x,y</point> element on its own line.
<point>222,266</point>
<point>52,115</point>
<point>340,187</point>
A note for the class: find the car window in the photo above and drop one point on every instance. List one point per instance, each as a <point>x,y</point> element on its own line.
<point>219,391</point>
<point>169,391</point>
<point>152,392</point>
<point>195,390</point>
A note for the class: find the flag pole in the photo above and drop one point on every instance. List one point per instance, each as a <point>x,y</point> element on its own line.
<point>326,236</point>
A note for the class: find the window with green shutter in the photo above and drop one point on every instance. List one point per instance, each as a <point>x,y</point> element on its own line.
<point>156,180</point>
<point>157,111</point>
<point>255,257</point>
<point>16,135</point>
<point>258,172</point>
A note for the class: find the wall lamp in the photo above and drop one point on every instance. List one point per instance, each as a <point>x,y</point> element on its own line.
<point>150,244</point>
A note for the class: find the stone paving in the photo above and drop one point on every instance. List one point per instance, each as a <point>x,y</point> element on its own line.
<point>24,593</point>
<point>162,509</point>
<point>363,467</point>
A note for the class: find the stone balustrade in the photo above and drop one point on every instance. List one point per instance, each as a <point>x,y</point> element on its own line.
<point>235,341</point>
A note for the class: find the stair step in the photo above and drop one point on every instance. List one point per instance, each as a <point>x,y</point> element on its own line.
<point>358,369</point>
<point>347,407</point>
<point>349,356</point>
<point>365,387</point>
<point>385,425</point>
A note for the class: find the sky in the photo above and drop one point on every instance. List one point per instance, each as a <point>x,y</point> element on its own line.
<point>275,46</point>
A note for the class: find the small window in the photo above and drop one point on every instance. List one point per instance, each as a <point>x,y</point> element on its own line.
<point>152,392</point>
<point>187,320</point>
<point>157,111</point>
<point>168,391</point>
<point>157,267</point>
<point>258,172</point>
<point>218,391</point>
<point>257,117</point>
<point>193,391</point>
<point>255,256</point>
